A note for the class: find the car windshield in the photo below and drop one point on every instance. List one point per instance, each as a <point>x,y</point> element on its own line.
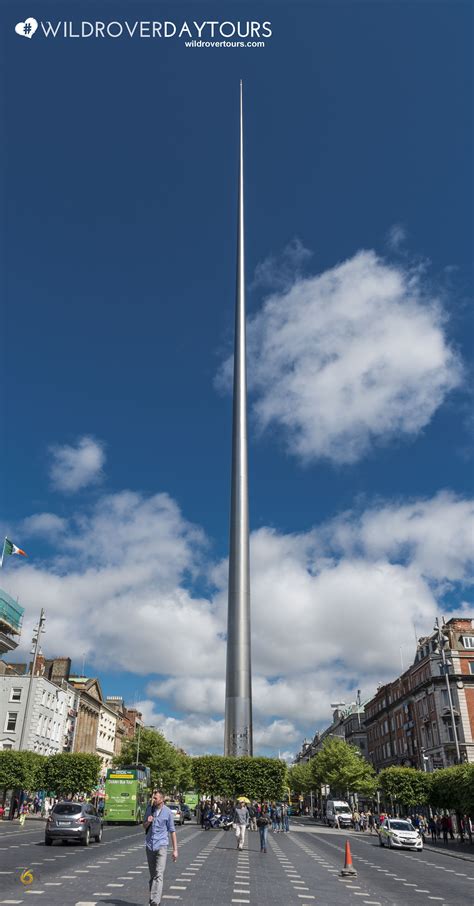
<point>341,809</point>
<point>401,825</point>
<point>67,808</point>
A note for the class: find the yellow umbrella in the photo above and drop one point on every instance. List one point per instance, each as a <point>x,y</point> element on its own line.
<point>243,799</point>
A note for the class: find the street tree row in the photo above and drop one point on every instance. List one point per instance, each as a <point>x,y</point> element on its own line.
<point>342,767</point>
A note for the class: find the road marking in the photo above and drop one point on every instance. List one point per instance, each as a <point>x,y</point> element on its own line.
<point>53,883</point>
<point>115,885</point>
<point>86,903</point>
<point>421,890</point>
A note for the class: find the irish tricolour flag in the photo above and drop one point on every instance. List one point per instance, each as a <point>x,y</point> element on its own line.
<point>10,548</point>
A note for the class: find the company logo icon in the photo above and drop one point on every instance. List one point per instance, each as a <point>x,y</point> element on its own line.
<point>27,28</point>
<point>26,877</point>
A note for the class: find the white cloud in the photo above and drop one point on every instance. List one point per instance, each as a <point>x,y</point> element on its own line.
<point>45,525</point>
<point>197,736</point>
<point>396,236</point>
<point>349,358</point>
<point>331,608</point>
<point>436,535</point>
<point>73,468</point>
<point>280,272</point>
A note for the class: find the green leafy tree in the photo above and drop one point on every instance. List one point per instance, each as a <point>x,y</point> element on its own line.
<point>343,768</point>
<point>156,753</point>
<point>256,778</point>
<point>185,778</point>
<point>453,788</point>
<point>68,774</point>
<point>300,778</point>
<point>406,785</point>
<point>21,770</point>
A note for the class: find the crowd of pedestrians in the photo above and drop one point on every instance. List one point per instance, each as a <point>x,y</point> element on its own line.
<point>246,815</point>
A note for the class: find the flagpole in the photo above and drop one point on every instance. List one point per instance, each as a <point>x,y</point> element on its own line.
<point>3,552</point>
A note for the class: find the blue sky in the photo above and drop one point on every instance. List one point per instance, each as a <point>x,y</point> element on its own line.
<point>118,250</point>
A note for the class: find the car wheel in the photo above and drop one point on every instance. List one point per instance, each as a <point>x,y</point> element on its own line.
<point>86,838</point>
<point>48,841</point>
<point>98,837</point>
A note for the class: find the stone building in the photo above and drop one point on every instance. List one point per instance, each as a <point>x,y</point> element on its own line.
<point>96,721</point>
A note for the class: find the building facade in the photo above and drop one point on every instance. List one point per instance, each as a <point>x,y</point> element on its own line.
<point>348,723</point>
<point>96,722</point>
<point>33,714</point>
<point>409,721</point>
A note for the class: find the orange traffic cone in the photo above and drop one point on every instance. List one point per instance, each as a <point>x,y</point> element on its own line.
<point>348,869</point>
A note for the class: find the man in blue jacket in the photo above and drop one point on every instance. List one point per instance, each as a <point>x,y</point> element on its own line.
<point>158,824</point>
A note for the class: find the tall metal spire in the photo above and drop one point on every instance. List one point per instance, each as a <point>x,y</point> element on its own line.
<point>238,701</point>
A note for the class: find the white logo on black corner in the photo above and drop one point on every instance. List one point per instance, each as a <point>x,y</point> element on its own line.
<point>27,28</point>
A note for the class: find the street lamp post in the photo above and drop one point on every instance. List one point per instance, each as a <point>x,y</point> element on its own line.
<point>442,640</point>
<point>138,740</point>
<point>34,651</point>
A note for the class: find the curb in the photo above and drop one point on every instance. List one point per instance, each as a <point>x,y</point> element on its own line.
<point>447,852</point>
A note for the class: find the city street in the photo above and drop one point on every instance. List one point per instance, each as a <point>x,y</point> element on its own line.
<point>302,867</point>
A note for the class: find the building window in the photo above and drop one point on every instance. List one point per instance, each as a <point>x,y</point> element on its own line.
<point>468,641</point>
<point>471,666</point>
<point>10,723</point>
<point>15,695</point>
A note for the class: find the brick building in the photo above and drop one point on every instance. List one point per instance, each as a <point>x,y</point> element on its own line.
<point>409,720</point>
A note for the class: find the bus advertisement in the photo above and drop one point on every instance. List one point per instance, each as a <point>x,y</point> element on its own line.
<point>127,793</point>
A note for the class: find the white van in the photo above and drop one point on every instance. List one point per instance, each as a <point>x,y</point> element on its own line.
<point>338,813</point>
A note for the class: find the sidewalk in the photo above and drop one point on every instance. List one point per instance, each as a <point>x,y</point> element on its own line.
<point>454,848</point>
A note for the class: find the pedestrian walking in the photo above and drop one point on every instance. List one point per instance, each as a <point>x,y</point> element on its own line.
<point>263,822</point>
<point>252,810</point>
<point>159,826</point>
<point>432,829</point>
<point>284,818</point>
<point>241,817</point>
<point>370,821</point>
<point>445,828</point>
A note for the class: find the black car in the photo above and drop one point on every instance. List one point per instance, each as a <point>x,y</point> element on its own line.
<point>186,812</point>
<point>73,821</point>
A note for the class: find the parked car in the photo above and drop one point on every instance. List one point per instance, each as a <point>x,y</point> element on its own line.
<point>73,821</point>
<point>186,812</point>
<point>177,812</point>
<point>397,833</point>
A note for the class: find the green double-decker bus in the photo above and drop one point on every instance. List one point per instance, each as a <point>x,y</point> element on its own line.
<point>127,793</point>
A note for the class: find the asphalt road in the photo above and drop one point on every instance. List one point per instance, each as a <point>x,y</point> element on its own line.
<point>302,867</point>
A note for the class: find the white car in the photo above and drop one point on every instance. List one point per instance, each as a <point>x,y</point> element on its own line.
<point>178,816</point>
<point>397,833</point>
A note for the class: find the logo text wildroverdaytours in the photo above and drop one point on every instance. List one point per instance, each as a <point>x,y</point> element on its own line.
<point>145,29</point>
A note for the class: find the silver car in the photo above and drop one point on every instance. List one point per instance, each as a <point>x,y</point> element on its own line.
<point>73,821</point>
<point>397,833</point>
<point>178,816</point>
